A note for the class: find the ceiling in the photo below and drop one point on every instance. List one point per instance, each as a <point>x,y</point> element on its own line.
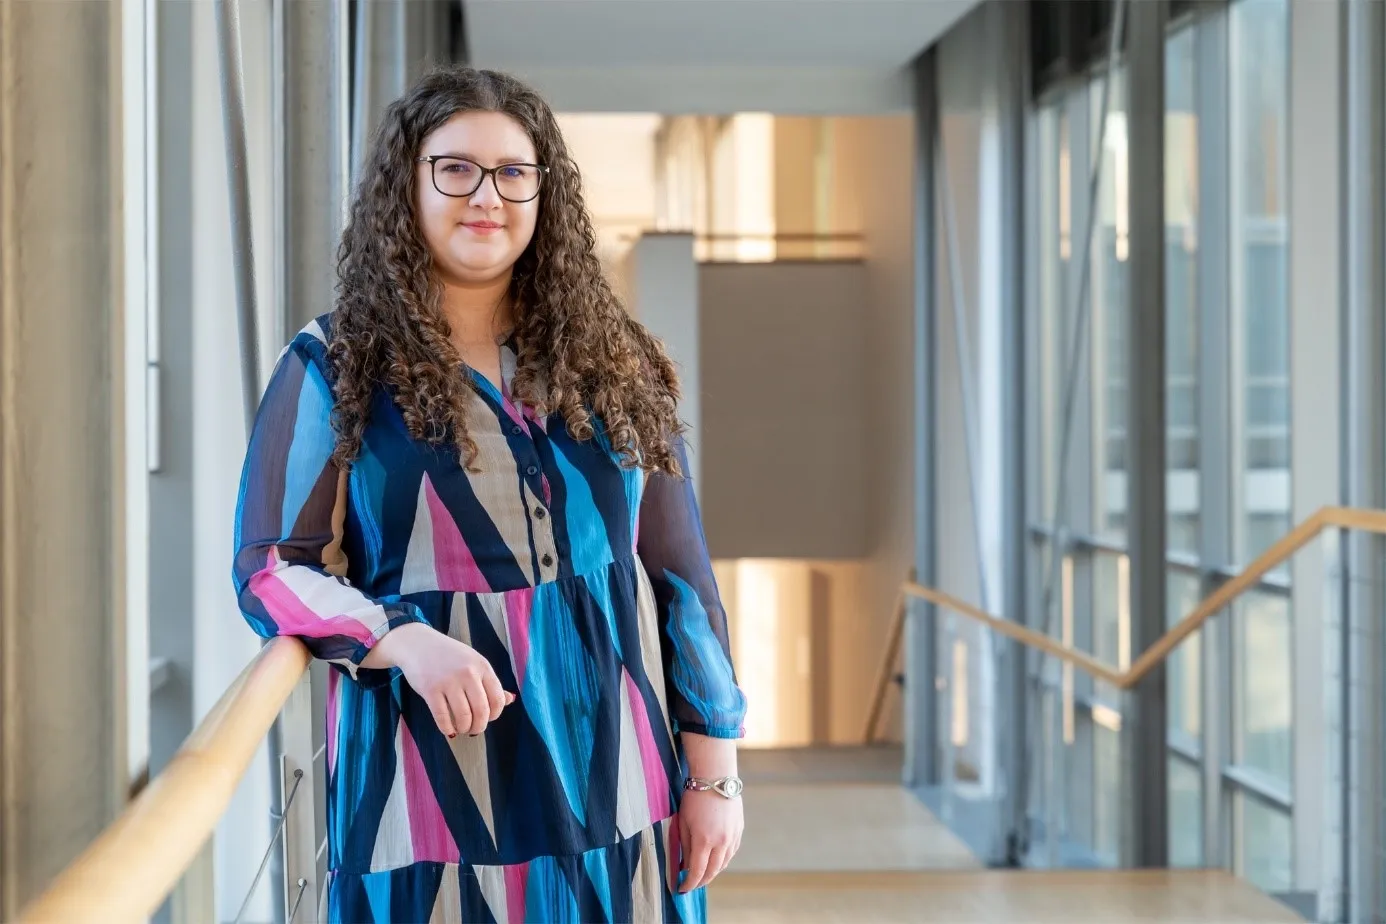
<point>824,56</point>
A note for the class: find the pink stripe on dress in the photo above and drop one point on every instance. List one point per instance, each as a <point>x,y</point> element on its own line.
<point>656,783</point>
<point>453,563</point>
<point>293,616</point>
<point>428,828</point>
<point>519,607</point>
<point>516,884</point>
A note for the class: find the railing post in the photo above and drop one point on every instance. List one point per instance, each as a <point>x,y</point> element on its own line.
<point>301,885</point>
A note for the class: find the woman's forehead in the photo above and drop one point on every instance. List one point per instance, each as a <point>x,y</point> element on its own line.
<point>484,137</point>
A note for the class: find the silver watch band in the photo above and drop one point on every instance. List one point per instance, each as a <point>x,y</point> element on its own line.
<point>729,787</point>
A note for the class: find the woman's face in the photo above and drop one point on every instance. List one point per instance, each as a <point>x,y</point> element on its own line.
<point>475,236</point>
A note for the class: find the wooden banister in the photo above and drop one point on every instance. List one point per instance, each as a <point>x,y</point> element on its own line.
<point>133,865</point>
<point>1370,521</point>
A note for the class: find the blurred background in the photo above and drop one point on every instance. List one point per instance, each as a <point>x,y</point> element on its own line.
<point>1012,333</point>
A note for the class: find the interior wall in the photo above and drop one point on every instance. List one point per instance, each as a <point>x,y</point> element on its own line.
<point>872,180</point>
<point>783,349</point>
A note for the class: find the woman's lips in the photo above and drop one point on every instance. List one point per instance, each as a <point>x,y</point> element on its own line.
<point>483,227</point>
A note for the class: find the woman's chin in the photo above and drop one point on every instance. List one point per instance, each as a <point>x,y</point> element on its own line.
<point>480,268</point>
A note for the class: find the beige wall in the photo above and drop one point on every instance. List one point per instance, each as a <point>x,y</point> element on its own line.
<point>783,352</point>
<point>814,536</point>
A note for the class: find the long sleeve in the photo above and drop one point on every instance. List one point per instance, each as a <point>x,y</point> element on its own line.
<point>704,698</point>
<point>289,570</point>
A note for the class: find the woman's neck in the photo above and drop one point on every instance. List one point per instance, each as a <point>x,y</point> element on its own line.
<point>478,314</point>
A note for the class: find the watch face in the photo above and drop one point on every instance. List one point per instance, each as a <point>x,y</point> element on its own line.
<point>731,787</point>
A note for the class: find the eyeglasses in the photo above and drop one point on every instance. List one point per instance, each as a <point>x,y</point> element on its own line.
<point>459,177</point>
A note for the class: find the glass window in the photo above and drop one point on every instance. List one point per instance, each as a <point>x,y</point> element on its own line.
<point>1111,247</point>
<point>1263,851</point>
<point>1259,104</point>
<point>1185,814</point>
<point>1181,294</point>
<point>1183,680</point>
<point>1054,244</point>
<point>1261,722</point>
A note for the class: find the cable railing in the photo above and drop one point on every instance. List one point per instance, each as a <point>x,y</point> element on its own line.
<point>1234,779</point>
<point>128,871</point>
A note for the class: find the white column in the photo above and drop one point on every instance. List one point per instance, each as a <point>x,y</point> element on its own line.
<point>663,280</point>
<point>63,766</point>
<point>1315,407</point>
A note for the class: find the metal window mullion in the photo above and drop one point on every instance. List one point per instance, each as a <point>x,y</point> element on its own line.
<point>1145,840</point>
<point>1214,418</point>
<point>921,635</point>
<point>1078,510</point>
<point>1011,107</point>
<point>1365,463</point>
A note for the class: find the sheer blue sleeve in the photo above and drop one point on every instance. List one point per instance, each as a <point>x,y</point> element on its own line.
<point>704,698</point>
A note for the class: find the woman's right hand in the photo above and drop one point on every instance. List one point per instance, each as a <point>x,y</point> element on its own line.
<point>459,685</point>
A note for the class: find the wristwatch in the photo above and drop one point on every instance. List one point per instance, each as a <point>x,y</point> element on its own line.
<point>728,787</point>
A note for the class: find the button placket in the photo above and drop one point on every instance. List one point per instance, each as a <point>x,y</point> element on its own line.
<point>541,524</point>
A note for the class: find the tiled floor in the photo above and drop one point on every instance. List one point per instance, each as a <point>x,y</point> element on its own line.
<point>797,827</point>
<point>985,896</point>
<point>832,838</point>
<point>812,809</point>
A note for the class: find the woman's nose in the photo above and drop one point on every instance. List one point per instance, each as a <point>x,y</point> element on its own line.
<point>486,195</point>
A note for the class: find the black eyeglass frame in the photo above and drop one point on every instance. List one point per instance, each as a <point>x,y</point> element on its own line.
<point>432,161</point>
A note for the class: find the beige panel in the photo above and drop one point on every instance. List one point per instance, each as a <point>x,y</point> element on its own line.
<point>61,703</point>
<point>786,401</point>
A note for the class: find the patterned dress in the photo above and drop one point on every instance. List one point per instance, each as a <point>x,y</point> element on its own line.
<point>585,584</point>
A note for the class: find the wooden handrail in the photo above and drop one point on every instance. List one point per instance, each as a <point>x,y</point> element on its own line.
<point>1371,521</point>
<point>133,865</point>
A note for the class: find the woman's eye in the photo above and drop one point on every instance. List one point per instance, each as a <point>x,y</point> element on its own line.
<point>513,173</point>
<point>456,168</point>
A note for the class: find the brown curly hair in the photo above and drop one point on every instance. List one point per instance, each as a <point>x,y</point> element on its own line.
<point>579,352</point>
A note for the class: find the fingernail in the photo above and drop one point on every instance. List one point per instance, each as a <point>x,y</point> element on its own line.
<point>453,735</point>
<point>510,697</point>
<point>471,735</point>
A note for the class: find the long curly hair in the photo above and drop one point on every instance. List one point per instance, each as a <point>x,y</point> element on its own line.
<point>579,352</point>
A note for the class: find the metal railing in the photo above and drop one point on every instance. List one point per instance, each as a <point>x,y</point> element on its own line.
<point>1347,518</point>
<point>1236,805</point>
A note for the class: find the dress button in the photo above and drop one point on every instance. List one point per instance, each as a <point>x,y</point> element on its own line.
<point>517,430</point>
<point>540,513</point>
<point>548,561</point>
<point>532,471</point>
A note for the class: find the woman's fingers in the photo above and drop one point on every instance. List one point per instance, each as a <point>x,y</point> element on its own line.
<point>438,705</point>
<point>716,861</point>
<point>697,866</point>
<point>495,694</point>
<point>480,704</point>
<point>461,710</point>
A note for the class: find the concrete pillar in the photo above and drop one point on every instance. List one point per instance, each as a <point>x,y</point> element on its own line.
<point>662,279</point>
<point>63,772</point>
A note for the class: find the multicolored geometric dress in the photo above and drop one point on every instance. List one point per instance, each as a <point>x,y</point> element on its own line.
<point>587,586</point>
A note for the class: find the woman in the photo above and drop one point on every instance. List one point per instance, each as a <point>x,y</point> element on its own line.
<point>464,489</point>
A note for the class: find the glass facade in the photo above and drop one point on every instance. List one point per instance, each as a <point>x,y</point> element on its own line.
<point>1246,428</point>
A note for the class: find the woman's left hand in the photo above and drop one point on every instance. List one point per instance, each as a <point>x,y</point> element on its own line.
<point>710,829</point>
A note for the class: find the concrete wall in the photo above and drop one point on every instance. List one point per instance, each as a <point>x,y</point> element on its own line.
<point>661,281</point>
<point>63,768</point>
